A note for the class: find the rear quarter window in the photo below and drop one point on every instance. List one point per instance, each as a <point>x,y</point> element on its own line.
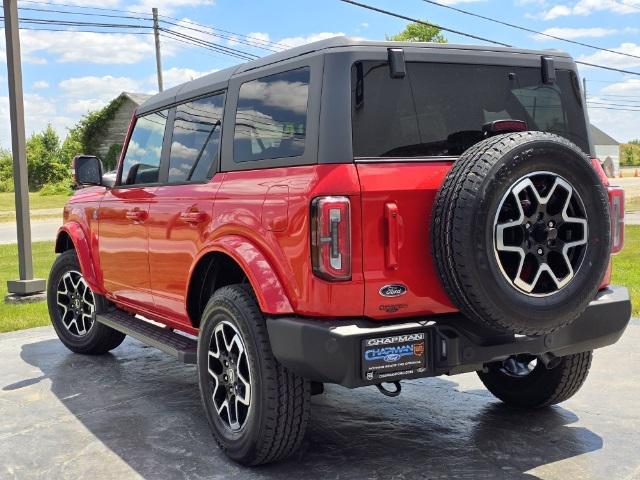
<point>439,109</point>
<point>271,117</point>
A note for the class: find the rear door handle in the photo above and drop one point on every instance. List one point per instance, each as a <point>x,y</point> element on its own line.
<point>136,215</point>
<point>194,218</point>
<point>392,250</point>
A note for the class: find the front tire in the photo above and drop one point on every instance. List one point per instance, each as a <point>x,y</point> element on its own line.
<point>73,308</point>
<point>520,384</point>
<point>257,410</point>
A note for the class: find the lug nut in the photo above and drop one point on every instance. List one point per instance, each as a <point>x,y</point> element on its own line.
<point>527,226</point>
<point>540,251</point>
<point>551,224</point>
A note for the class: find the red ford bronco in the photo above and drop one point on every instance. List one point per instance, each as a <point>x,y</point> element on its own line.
<point>355,213</point>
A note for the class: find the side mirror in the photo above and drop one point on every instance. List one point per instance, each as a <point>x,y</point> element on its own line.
<point>86,170</point>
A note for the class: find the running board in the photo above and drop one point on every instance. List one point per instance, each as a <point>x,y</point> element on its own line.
<point>183,348</point>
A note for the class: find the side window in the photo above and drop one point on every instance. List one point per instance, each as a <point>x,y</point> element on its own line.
<point>196,138</point>
<point>142,160</point>
<point>271,119</point>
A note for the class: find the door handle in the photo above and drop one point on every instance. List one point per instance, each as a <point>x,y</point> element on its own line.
<point>392,250</point>
<point>194,218</point>
<point>136,215</point>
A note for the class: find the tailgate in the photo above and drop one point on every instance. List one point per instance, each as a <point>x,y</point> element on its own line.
<point>399,273</point>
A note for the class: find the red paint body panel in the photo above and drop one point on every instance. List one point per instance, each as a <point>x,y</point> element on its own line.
<point>249,205</point>
<point>408,188</point>
<point>269,291</point>
<point>179,228</point>
<point>123,244</point>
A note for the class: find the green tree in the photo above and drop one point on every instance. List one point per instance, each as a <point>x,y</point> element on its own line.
<point>419,32</point>
<point>43,159</point>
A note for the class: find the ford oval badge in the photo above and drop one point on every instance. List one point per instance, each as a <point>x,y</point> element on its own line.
<point>394,290</point>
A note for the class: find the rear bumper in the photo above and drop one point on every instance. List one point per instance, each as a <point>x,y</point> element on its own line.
<point>334,351</point>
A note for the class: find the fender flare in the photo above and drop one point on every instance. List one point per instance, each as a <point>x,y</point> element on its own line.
<point>266,285</point>
<point>83,251</point>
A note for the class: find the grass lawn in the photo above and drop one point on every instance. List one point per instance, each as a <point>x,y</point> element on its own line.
<point>36,201</point>
<point>632,204</point>
<point>17,317</point>
<point>626,271</point>
<point>626,268</point>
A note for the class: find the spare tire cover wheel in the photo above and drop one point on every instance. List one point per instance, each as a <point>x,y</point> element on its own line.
<point>520,232</point>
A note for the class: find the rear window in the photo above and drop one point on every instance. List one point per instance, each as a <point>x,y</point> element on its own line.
<point>271,120</point>
<point>439,109</point>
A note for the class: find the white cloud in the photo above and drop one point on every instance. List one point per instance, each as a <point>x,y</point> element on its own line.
<point>587,7</point>
<point>621,125</point>
<point>87,47</point>
<point>167,6</point>
<point>626,87</point>
<point>555,12</point>
<point>613,59</point>
<point>297,41</point>
<point>84,94</point>
<point>38,112</point>
<point>40,84</point>
<point>455,2</point>
<point>364,25</point>
<point>176,76</point>
<point>572,33</point>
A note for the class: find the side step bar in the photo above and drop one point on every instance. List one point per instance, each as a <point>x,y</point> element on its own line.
<point>182,347</point>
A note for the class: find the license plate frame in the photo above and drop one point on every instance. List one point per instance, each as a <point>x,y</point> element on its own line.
<point>394,356</point>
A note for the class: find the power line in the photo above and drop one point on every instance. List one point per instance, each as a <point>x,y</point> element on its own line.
<point>86,7</point>
<point>629,72</point>
<point>415,20</point>
<point>226,37</point>
<point>476,37</point>
<point>86,14</point>
<point>519,27</point>
<point>613,108</point>
<point>252,38</point>
<point>213,46</point>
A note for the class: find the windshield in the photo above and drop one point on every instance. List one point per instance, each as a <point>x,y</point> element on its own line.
<point>439,109</point>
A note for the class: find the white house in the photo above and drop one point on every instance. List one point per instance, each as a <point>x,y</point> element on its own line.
<point>607,150</point>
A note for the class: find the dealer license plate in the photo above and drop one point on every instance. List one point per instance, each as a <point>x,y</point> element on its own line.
<point>394,356</point>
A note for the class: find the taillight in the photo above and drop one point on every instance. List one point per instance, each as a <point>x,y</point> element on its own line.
<point>616,202</point>
<point>331,238</point>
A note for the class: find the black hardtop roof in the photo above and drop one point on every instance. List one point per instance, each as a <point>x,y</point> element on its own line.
<point>219,79</point>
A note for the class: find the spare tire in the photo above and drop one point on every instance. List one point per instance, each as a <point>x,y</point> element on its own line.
<point>520,232</point>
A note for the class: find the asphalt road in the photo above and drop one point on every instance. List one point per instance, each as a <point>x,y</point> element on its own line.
<point>136,414</point>
<point>41,230</point>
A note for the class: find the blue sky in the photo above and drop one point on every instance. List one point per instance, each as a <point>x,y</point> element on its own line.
<point>67,74</point>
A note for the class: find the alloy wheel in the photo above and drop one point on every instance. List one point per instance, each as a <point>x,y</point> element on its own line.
<point>229,375</point>
<point>540,234</point>
<point>76,303</point>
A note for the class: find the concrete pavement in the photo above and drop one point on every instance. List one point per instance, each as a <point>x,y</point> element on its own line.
<point>136,414</point>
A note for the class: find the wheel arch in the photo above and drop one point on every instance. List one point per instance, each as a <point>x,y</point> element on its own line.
<point>234,259</point>
<point>71,237</point>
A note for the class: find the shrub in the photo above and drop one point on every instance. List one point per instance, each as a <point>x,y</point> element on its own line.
<point>60,188</point>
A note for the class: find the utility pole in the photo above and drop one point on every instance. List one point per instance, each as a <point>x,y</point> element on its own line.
<point>26,285</point>
<point>584,88</point>
<point>156,35</point>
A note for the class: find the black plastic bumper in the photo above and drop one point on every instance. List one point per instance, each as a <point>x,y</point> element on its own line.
<point>334,351</point>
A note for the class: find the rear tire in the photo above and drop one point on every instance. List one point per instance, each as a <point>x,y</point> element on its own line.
<point>541,387</point>
<point>269,405</point>
<point>73,308</point>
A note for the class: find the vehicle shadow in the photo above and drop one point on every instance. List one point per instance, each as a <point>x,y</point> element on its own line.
<point>145,407</point>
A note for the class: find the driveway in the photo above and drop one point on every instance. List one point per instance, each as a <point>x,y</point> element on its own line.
<point>136,414</point>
